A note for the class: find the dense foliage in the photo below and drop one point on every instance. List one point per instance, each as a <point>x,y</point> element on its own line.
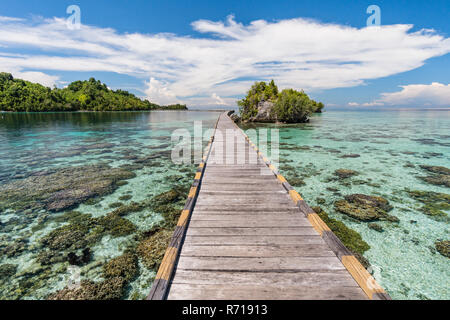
<point>289,105</point>
<point>92,95</point>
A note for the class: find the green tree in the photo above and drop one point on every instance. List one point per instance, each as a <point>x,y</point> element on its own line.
<point>20,95</point>
<point>293,106</point>
<point>289,105</point>
<point>260,91</point>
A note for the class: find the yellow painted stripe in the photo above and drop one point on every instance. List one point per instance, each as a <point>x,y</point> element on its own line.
<point>198,175</point>
<point>204,158</point>
<point>201,165</point>
<point>318,223</point>
<point>265,159</point>
<point>192,192</point>
<point>272,167</point>
<point>167,264</point>
<point>281,178</point>
<point>295,196</point>
<point>361,276</point>
<point>183,218</point>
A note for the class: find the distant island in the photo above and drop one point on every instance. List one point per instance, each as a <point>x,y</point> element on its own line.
<point>264,103</point>
<point>92,95</point>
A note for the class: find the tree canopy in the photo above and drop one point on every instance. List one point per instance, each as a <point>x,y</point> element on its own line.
<point>91,95</point>
<point>289,105</point>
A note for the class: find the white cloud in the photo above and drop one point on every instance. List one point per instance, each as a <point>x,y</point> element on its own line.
<point>436,94</point>
<point>416,95</point>
<point>3,18</point>
<point>296,53</point>
<point>158,93</point>
<point>218,100</point>
<point>38,77</point>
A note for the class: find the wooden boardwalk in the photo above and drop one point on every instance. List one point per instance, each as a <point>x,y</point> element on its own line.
<point>250,236</point>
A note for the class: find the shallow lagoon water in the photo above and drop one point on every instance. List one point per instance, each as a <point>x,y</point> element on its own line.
<point>391,146</point>
<point>32,143</point>
<point>387,149</point>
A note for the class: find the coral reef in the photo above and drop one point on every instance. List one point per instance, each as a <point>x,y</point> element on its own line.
<point>365,208</point>
<point>61,189</point>
<point>82,231</point>
<point>13,248</point>
<point>125,197</point>
<point>443,247</point>
<point>109,289</point>
<point>434,203</point>
<point>440,175</point>
<point>152,248</point>
<point>7,270</point>
<point>124,266</point>
<point>345,173</point>
<point>118,272</point>
<point>352,155</point>
<point>375,226</point>
<point>76,260</point>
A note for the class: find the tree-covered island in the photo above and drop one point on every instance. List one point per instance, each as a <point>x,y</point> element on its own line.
<point>264,103</point>
<point>92,95</point>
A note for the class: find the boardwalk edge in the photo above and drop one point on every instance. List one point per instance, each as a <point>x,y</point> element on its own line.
<point>364,279</point>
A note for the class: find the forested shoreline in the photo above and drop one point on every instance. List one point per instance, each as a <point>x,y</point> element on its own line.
<point>17,95</point>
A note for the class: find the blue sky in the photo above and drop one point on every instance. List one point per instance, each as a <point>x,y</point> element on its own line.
<point>194,52</point>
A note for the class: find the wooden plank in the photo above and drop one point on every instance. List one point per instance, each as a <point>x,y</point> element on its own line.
<point>253,240</point>
<point>209,201</point>
<point>280,250</point>
<point>262,292</point>
<point>276,279</point>
<point>239,187</point>
<point>290,264</point>
<point>246,231</point>
<point>206,193</point>
<point>249,222</point>
<point>244,208</point>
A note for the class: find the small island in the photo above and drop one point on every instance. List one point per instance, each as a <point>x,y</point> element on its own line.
<point>264,103</point>
<point>18,95</point>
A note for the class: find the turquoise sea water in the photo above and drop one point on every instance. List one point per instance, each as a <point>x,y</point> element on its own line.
<point>388,148</point>
<point>34,143</point>
<point>391,146</point>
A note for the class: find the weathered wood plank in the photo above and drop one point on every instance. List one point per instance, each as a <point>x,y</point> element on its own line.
<point>275,279</point>
<point>281,250</point>
<point>251,240</point>
<point>273,264</point>
<point>260,292</point>
<point>245,208</point>
<point>249,222</point>
<point>246,231</point>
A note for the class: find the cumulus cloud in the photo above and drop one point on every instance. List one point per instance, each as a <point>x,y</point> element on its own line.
<point>38,77</point>
<point>219,100</point>
<point>295,53</point>
<point>419,95</point>
<point>158,92</point>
